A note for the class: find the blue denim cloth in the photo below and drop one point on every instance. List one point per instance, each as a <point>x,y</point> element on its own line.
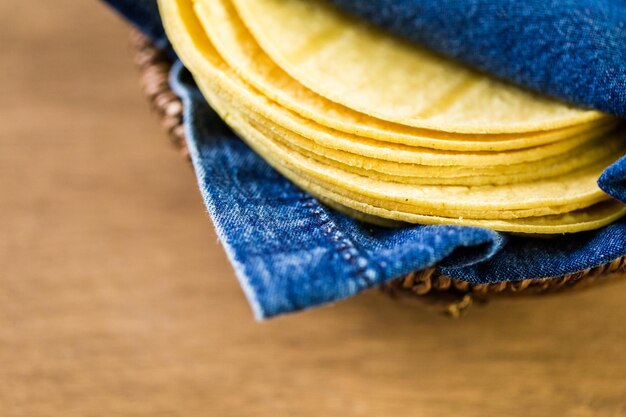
<point>571,49</point>
<point>291,253</point>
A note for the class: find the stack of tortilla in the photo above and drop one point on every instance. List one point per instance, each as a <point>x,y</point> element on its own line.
<point>388,131</point>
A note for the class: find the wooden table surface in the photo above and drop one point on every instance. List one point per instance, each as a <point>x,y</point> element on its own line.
<point>117,300</point>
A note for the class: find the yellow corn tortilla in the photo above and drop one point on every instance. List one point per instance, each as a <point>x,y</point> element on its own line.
<point>200,56</point>
<point>583,220</point>
<point>353,64</point>
<point>249,61</point>
<point>454,175</point>
<point>186,33</point>
<point>228,85</point>
<point>561,193</point>
<point>588,218</point>
<point>602,149</point>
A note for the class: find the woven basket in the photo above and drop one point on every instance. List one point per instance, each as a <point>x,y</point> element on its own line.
<point>445,294</point>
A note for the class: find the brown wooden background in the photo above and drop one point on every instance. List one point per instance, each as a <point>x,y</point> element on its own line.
<point>117,300</point>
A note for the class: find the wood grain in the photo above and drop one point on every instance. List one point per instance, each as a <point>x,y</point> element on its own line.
<point>117,300</point>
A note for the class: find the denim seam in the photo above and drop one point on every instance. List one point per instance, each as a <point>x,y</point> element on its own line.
<point>344,246</point>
